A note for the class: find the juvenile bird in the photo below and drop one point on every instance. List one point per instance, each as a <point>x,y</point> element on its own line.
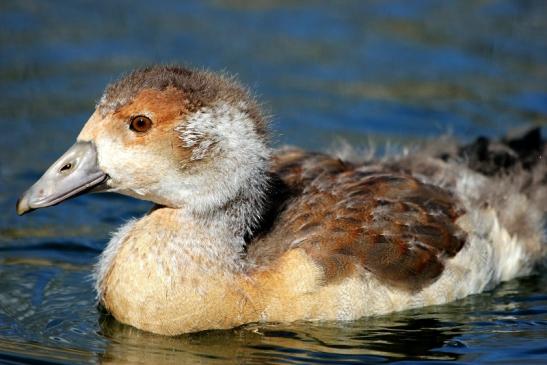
<point>240,232</point>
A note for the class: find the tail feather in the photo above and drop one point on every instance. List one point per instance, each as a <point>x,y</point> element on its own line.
<point>525,150</point>
<point>515,168</point>
<point>507,177</point>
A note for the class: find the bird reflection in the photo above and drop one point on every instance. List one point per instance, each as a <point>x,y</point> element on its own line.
<point>385,338</point>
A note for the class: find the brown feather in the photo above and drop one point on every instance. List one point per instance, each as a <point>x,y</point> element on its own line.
<point>349,218</point>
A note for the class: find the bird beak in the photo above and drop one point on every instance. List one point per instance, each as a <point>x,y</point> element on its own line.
<point>75,173</point>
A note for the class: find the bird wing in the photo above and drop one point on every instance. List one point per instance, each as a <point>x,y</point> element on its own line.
<point>352,217</point>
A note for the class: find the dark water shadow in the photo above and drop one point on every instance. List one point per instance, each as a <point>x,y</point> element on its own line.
<point>382,340</point>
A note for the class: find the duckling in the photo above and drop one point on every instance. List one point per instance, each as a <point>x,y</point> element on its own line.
<point>240,232</point>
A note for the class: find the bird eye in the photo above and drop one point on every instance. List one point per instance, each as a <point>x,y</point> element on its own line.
<point>140,124</point>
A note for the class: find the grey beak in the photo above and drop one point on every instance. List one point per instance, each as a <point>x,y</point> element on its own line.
<point>76,172</point>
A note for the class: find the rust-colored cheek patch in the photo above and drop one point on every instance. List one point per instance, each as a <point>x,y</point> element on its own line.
<point>166,108</point>
<point>162,106</point>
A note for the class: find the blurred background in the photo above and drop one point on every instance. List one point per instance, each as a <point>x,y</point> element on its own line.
<point>398,71</point>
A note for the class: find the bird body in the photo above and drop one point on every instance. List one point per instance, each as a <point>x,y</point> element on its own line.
<point>244,233</point>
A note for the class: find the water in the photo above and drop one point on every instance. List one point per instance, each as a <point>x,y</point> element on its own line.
<point>399,71</point>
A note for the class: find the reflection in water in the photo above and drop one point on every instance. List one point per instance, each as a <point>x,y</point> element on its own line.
<point>375,340</point>
<point>412,339</point>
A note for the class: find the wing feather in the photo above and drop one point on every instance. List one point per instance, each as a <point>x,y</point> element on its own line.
<point>350,218</point>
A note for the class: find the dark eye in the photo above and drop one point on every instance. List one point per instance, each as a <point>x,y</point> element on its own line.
<point>140,124</point>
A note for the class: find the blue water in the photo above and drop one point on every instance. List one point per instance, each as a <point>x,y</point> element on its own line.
<point>368,72</point>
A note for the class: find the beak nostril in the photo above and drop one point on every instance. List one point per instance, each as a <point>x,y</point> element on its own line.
<point>66,167</point>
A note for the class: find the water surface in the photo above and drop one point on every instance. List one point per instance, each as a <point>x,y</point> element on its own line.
<point>368,72</point>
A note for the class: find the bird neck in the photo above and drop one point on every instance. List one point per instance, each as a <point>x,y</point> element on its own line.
<point>242,213</point>
<point>226,179</point>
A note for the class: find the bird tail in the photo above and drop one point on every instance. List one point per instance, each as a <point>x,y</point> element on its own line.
<point>519,151</point>
<point>502,184</point>
<point>513,171</point>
